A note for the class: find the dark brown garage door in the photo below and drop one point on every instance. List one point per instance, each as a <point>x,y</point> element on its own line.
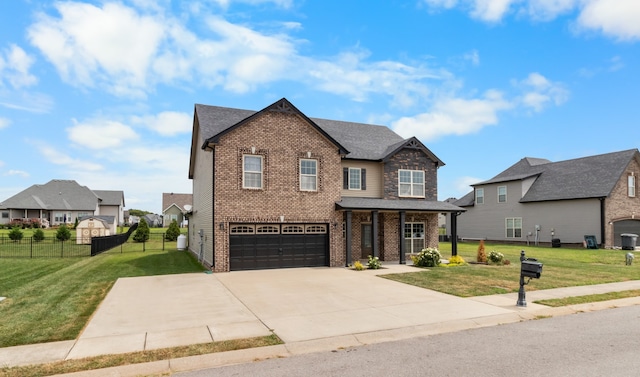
<point>263,246</point>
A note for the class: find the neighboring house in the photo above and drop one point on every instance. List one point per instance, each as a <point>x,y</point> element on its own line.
<point>275,189</point>
<point>537,200</point>
<point>60,202</point>
<point>94,226</point>
<point>175,207</point>
<point>153,220</point>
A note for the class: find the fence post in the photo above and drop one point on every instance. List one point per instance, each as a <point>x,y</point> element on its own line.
<point>31,247</point>
<point>61,249</point>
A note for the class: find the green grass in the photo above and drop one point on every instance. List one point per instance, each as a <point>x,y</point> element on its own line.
<point>563,267</point>
<point>556,302</point>
<point>51,299</point>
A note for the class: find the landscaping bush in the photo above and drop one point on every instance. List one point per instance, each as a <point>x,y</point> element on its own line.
<point>482,256</point>
<point>15,234</point>
<point>429,257</point>
<point>173,231</point>
<point>373,263</point>
<point>357,265</point>
<point>456,261</point>
<point>142,233</point>
<point>38,235</point>
<point>496,257</point>
<point>63,233</point>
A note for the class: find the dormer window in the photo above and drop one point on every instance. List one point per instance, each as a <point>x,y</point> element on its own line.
<point>479,196</point>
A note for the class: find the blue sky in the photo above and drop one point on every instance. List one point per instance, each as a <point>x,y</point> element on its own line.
<point>102,92</point>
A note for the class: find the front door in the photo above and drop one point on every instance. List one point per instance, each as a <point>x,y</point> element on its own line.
<point>367,241</point>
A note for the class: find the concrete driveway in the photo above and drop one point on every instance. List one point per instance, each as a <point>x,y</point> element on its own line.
<point>296,304</point>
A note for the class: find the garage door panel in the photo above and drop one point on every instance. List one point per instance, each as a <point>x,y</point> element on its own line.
<point>264,251</point>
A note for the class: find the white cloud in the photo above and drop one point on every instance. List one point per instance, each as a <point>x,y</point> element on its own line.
<point>14,67</point>
<point>18,173</point>
<point>463,185</point>
<point>454,116</point>
<point>472,56</point>
<point>112,45</point>
<point>615,18</point>
<point>540,92</point>
<point>101,134</point>
<point>167,123</point>
<point>53,155</point>
<point>4,122</point>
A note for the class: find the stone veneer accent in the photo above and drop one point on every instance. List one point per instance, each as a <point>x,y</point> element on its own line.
<point>410,159</point>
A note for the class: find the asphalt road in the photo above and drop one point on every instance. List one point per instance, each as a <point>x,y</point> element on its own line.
<point>603,343</point>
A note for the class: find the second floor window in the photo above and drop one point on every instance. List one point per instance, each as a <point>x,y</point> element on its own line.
<point>354,179</point>
<point>411,183</point>
<point>308,175</point>
<point>632,185</point>
<point>502,194</point>
<point>480,196</point>
<point>252,172</point>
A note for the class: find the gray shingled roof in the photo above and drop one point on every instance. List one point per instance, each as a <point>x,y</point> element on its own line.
<point>580,178</point>
<point>110,198</point>
<point>396,205</point>
<point>64,195</point>
<point>363,141</point>
<point>180,200</point>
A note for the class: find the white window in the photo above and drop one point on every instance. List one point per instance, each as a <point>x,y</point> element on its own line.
<point>243,229</point>
<point>292,229</point>
<point>502,194</point>
<point>632,185</point>
<point>413,237</point>
<point>268,229</point>
<point>354,179</point>
<point>411,183</point>
<point>252,171</point>
<point>309,175</point>
<point>480,196</point>
<point>513,227</point>
<point>315,229</point>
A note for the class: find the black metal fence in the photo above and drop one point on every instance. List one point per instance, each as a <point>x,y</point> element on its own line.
<point>49,247</point>
<point>102,244</point>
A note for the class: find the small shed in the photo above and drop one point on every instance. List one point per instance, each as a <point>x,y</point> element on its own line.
<point>94,226</point>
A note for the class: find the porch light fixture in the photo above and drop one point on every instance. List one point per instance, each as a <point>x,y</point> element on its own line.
<point>308,154</point>
<point>253,150</point>
<point>281,218</point>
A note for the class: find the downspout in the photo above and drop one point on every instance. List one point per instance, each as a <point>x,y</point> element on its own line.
<point>602,222</point>
<point>213,208</point>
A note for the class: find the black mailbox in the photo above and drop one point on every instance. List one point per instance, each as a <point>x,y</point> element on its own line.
<point>531,268</point>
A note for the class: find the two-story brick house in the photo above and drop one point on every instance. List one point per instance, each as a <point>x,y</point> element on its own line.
<point>274,188</point>
<point>537,200</point>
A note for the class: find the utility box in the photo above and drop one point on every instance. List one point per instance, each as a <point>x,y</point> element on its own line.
<point>629,241</point>
<point>182,242</point>
<point>555,242</point>
<point>531,268</point>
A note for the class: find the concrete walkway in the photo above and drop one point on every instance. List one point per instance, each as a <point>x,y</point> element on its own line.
<point>310,309</point>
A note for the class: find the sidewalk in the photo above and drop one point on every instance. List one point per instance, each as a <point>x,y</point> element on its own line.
<point>247,304</point>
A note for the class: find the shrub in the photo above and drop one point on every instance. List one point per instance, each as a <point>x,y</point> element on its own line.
<point>358,266</point>
<point>142,233</point>
<point>429,257</point>
<point>15,234</point>
<point>63,233</point>
<point>456,261</point>
<point>496,257</point>
<point>38,235</point>
<point>482,256</point>
<point>373,263</point>
<point>173,232</point>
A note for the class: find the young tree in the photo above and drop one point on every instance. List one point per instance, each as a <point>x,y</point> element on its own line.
<point>15,234</point>
<point>38,235</point>
<point>481,257</point>
<point>142,233</point>
<point>173,232</point>
<point>63,233</point>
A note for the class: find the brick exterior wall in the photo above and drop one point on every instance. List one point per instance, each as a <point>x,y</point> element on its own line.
<point>410,159</point>
<point>281,139</point>
<point>619,206</point>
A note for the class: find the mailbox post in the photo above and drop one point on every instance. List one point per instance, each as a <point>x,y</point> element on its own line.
<point>529,268</point>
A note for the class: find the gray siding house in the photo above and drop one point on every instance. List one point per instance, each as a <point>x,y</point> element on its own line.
<point>61,202</point>
<point>175,207</point>
<point>536,201</point>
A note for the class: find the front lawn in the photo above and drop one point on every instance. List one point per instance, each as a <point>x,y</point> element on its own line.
<point>563,267</point>
<point>51,299</point>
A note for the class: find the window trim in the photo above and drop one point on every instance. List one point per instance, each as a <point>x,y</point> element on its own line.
<point>359,188</point>
<point>423,238</point>
<point>244,172</point>
<point>514,228</point>
<point>505,194</point>
<point>480,190</point>
<point>631,185</point>
<point>315,176</point>
<point>411,184</point>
